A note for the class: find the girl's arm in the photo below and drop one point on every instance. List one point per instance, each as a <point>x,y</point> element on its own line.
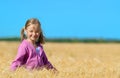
<point>48,65</point>
<point>19,60</point>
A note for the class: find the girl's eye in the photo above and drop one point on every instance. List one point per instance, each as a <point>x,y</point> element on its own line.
<point>37,32</point>
<point>31,31</point>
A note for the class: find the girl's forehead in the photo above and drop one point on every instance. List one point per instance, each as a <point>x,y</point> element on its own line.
<point>34,27</point>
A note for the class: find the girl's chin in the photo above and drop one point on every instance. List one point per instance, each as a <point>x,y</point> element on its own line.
<point>33,39</point>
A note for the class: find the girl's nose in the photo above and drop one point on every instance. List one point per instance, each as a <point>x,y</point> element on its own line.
<point>33,33</point>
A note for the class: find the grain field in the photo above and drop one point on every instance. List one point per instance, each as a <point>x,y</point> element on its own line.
<point>73,60</point>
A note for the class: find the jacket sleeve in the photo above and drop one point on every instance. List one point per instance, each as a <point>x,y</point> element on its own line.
<point>47,64</point>
<point>19,60</point>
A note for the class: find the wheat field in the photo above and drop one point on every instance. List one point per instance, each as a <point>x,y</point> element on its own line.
<point>72,60</point>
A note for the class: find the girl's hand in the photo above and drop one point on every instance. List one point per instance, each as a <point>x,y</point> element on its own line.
<point>55,71</point>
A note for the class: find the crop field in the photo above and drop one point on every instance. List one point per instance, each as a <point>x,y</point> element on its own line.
<point>72,60</point>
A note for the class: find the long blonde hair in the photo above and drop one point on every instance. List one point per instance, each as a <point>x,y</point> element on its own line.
<point>35,21</point>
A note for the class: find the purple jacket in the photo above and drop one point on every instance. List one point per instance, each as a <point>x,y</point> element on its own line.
<point>30,58</point>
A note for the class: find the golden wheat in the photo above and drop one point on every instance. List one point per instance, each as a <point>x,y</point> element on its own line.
<point>73,60</point>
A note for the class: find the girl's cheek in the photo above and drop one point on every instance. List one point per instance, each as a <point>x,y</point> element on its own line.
<point>30,34</point>
<point>36,35</point>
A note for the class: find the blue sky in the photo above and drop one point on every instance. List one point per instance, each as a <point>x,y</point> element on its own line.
<point>63,18</point>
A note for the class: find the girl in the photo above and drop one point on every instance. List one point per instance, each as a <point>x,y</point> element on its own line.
<point>30,52</point>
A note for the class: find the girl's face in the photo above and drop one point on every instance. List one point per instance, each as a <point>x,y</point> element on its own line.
<point>33,32</point>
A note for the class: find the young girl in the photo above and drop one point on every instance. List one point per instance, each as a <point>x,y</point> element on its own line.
<point>30,52</point>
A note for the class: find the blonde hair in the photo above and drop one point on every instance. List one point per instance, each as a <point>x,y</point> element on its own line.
<point>35,21</point>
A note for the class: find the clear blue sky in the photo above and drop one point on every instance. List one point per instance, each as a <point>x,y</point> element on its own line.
<point>63,18</point>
